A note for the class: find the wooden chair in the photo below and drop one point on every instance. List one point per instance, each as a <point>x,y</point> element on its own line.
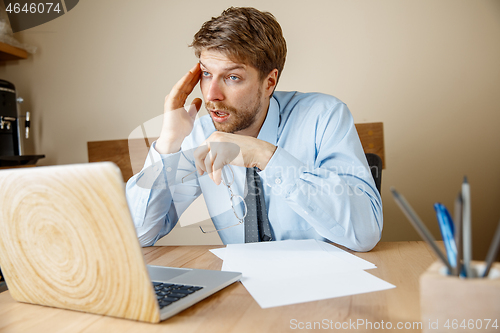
<point>371,136</point>
<point>130,157</point>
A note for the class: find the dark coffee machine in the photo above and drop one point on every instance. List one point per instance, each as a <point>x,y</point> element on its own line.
<point>14,129</point>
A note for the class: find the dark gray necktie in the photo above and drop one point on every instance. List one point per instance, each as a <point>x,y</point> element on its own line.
<point>256,222</point>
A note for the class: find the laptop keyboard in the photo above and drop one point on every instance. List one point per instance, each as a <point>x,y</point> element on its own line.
<point>168,293</point>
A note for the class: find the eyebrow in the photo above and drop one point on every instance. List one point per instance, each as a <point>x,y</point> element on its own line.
<point>230,68</point>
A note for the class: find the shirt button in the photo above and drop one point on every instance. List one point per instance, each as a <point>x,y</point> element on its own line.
<point>169,169</point>
<point>277,180</point>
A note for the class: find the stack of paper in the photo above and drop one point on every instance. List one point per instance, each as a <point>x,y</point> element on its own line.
<point>296,271</point>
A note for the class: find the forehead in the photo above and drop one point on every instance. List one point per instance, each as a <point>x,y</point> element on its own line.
<point>216,60</point>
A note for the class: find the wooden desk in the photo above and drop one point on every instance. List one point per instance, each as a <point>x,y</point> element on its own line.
<point>234,310</point>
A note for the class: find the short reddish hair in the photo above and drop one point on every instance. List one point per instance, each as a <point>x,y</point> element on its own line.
<point>245,35</point>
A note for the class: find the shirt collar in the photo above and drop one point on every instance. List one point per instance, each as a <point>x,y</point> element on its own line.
<point>269,130</point>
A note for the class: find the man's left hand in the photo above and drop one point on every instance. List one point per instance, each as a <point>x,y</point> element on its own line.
<point>222,148</point>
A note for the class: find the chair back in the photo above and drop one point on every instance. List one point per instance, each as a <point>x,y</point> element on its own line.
<point>129,155</point>
<point>371,136</point>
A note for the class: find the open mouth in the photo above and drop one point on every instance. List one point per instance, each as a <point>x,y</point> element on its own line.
<point>219,116</point>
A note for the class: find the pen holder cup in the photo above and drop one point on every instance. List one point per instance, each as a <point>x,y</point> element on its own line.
<point>450,303</point>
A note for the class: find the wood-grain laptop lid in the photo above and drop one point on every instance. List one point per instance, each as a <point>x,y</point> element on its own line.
<point>67,240</point>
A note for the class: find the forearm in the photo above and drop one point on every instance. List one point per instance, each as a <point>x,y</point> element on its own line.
<point>345,212</point>
<point>340,205</point>
<point>156,197</point>
<point>167,144</point>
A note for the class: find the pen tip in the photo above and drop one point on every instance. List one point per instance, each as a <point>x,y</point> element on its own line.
<point>393,190</point>
<point>465,179</point>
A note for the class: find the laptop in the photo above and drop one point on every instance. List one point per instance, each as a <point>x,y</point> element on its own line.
<point>67,240</point>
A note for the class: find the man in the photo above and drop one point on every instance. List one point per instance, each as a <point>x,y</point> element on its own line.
<point>313,179</point>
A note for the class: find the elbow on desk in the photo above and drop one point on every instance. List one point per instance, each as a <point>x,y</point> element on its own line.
<point>359,241</point>
<point>367,244</point>
<point>370,241</point>
<point>148,236</point>
<point>371,232</point>
<point>145,241</point>
<point>364,244</point>
<point>367,238</point>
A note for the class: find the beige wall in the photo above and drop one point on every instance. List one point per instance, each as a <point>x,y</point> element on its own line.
<point>428,69</point>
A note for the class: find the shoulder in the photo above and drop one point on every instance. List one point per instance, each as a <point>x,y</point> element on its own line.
<point>315,105</point>
<point>290,99</point>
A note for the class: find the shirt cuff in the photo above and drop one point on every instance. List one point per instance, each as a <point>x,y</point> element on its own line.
<point>155,164</point>
<point>282,172</point>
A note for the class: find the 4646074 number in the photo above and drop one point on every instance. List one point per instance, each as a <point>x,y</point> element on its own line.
<point>33,8</point>
<point>471,324</point>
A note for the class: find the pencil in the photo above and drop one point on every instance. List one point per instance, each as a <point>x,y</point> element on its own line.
<point>466,231</point>
<point>419,226</point>
<point>493,251</point>
<point>458,233</point>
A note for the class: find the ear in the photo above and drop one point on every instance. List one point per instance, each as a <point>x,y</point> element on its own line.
<point>270,82</point>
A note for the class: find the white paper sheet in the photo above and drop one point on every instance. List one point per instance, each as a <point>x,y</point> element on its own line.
<point>278,260</point>
<point>219,252</point>
<point>275,273</point>
<point>272,293</point>
<point>330,248</point>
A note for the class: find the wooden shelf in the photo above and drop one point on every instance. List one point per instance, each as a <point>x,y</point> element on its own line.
<point>9,52</point>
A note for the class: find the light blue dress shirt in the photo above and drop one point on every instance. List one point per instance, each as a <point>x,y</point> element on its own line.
<point>317,184</point>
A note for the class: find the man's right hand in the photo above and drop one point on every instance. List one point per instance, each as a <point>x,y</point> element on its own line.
<point>177,121</point>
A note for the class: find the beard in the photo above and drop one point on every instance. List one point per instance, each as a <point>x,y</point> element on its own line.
<point>241,118</point>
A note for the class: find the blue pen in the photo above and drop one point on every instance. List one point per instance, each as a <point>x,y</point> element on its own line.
<point>447,232</point>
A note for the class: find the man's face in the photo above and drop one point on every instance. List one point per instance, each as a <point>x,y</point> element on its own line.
<point>233,94</point>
